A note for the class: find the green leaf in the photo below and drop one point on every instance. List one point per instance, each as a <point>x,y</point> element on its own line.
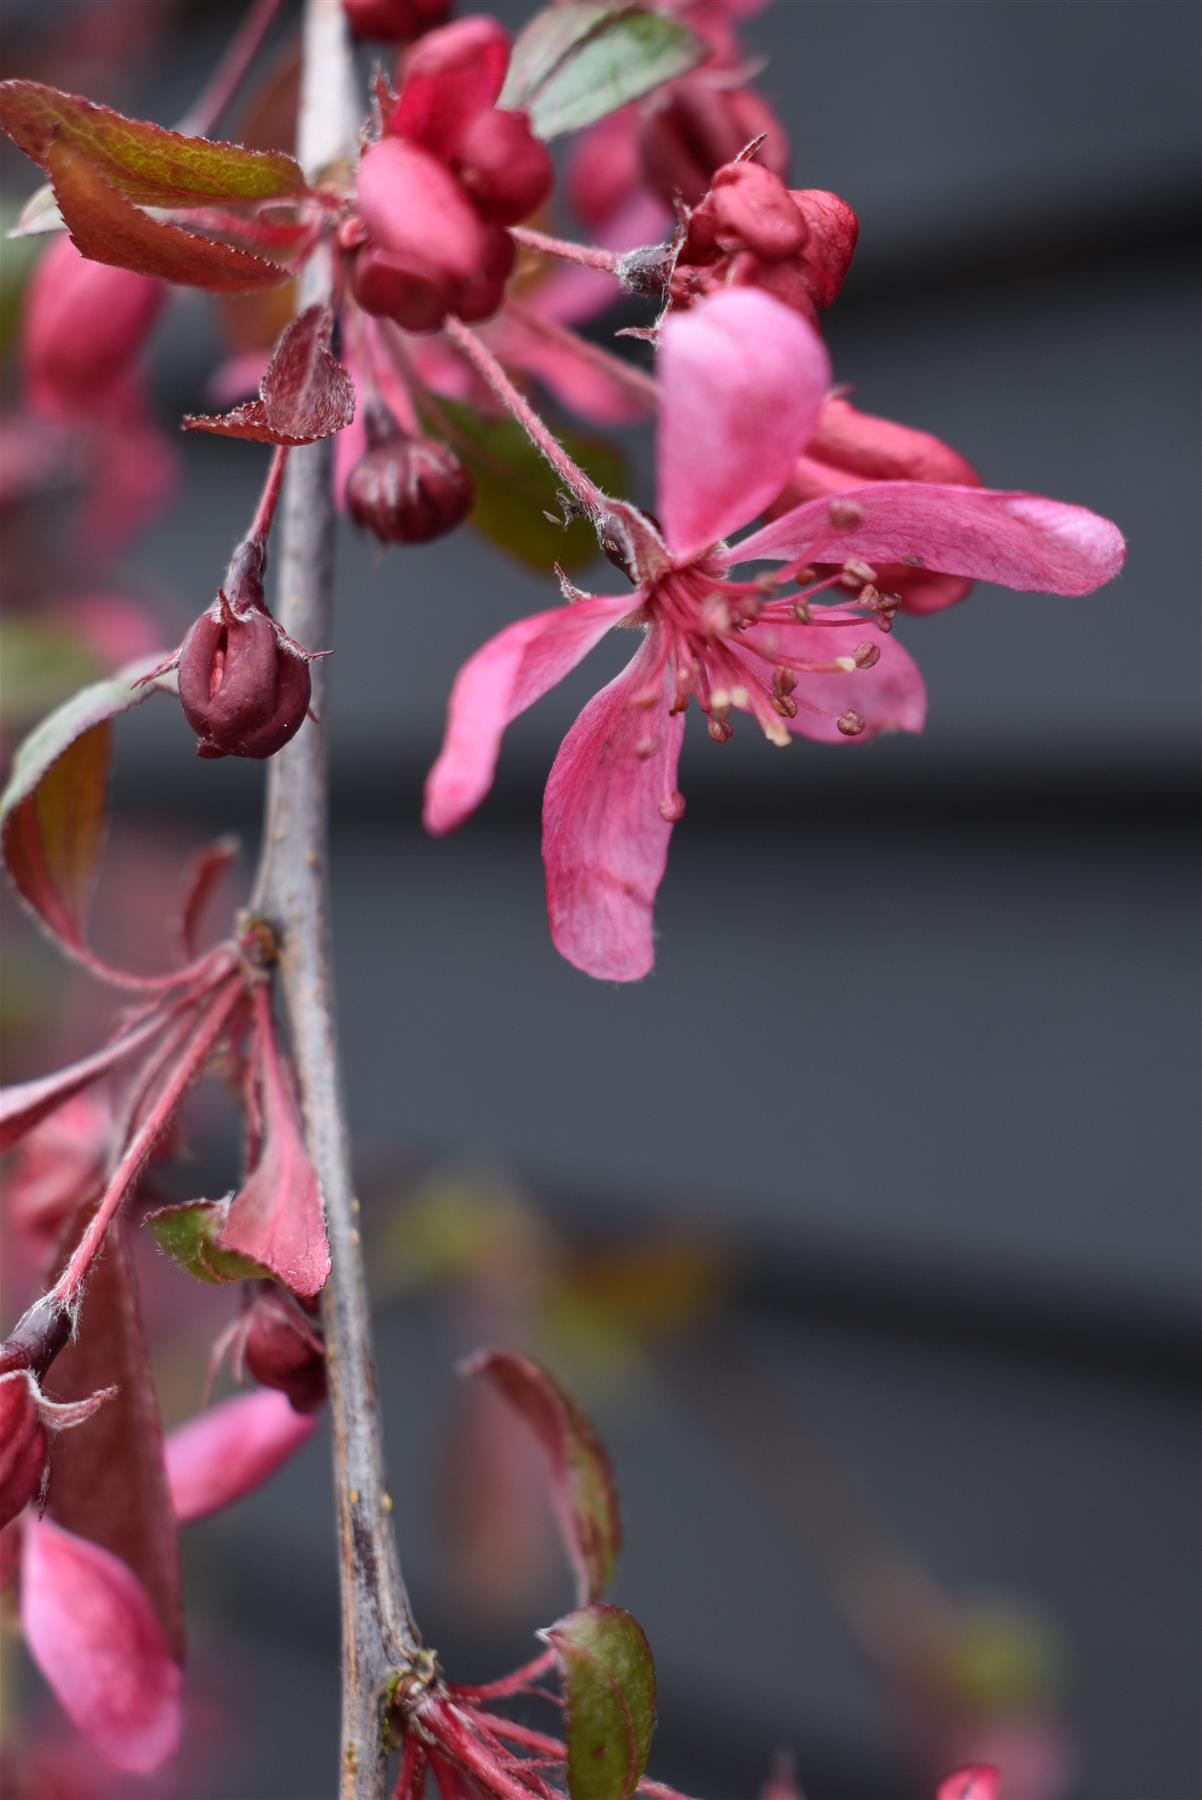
<point>516,489</point>
<point>609,1695</point>
<point>144,162</point>
<point>52,811</point>
<point>107,228</point>
<point>582,1484</point>
<point>575,64</point>
<point>187,1234</point>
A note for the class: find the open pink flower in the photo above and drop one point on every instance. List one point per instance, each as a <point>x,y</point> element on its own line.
<point>743,382</point>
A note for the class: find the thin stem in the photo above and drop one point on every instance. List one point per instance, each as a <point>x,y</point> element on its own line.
<point>378,1634</point>
<point>642,385</point>
<point>192,1058</point>
<point>589,256</point>
<point>486,365</point>
<point>260,525</point>
<point>231,71</point>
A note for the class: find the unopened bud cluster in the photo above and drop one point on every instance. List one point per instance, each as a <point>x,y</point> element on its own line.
<point>450,171</point>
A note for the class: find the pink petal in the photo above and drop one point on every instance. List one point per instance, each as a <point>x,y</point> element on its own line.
<point>875,449</point>
<point>415,208</point>
<point>448,75</point>
<point>977,1782</point>
<point>605,839</point>
<point>1018,540</point>
<point>230,1450</point>
<point>508,674</point>
<point>92,1632</point>
<point>890,696</point>
<point>743,382</point>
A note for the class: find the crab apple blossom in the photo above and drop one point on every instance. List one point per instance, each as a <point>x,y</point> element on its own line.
<point>744,381</point>
<point>436,191</point>
<point>750,230</point>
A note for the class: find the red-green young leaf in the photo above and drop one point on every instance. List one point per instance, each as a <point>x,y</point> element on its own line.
<point>108,229</point>
<point>144,162</point>
<point>516,489</point>
<point>576,63</point>
<point>27,1103</point>
<point>108,1482</point>
<point>52,811</point>
<point>609,1695</point>
<point>582,1483</point>
<point>305,393</point>
<point>188,1235</point>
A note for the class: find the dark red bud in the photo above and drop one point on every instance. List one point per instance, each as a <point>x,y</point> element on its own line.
<point>282,1348</point>
<point>243,692</point>
<point>750,208</point>
<point>833,231</point>
<point>478,297</point>
<point>409,490</point>
<point>504,167</point>
<point>23,1448</point>
<point>415,295</point>
<point>701,126</point>
<point>394,21</point>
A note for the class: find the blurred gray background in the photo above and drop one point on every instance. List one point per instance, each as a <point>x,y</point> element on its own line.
<point>920,1051</point>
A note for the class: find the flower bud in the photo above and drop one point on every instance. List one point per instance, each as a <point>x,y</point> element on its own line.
<point>409,490</point>
<point>832,233</point>
<point>394,21</point>
<point>699,128</point>
<point>84,324</point>
<point>478,295</point>
<point>23,1447</point>
<point>413,295</point>
<point>282,1348</point>
<point>447,77</point>
<point>749,208</point>
<point>243,692</point>
<point>506,169</point>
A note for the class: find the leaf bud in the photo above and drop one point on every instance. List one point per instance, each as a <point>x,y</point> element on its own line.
<point>408,490</point>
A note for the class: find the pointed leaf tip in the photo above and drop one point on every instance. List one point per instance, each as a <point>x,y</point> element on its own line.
<point>609,1694</point>
<point>305,393</point>
<point>582,1484</point>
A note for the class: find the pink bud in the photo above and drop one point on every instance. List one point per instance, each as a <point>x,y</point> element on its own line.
<point>414,295</point>
<point>506,169</point>
<point>243,692</point>
<point>447,77</point>
<point>23,1446</point>
<point>699,128</point>
<point>282,1347</point>
<point>833,230</point>
<point>409,490</point>
<point>394,21</point>
<point>478,297</point>
<point>750,208</point>
<point>84,324</point>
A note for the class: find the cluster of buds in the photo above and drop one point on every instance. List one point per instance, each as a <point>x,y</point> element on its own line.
<point>750,230</point>
<point>406,489</point>
<point>450,171</point>
<point>700,125</point>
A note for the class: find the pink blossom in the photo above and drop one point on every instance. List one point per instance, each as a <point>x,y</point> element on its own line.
<point>93,1633</point>
<point>977,1782</point>
<point>743,382</point>
<point>231,1449</point>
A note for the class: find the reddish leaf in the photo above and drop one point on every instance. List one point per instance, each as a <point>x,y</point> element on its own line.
<point>142,161</point>
<point>108,1481</point>
<point>203,877</point>
<point>277,1219</point>
<point>27,1103</point>
<point>582,1483</point>
<point>52,811</point>
<point>93,1633</point>
<point>609,1697</point>
<point>305,393</point>
<point>107,228</point>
